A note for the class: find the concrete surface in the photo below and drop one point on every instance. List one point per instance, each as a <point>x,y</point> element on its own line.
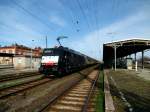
<point>130,90</point>
<point>144,73</point>
<point>109,105</point>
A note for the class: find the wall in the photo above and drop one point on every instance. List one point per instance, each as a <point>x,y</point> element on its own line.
<point>6,61</point>
<point>7,50</point>
<point>25,62</point>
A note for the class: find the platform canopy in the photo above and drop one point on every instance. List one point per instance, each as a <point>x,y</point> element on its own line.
<point>123,48</point>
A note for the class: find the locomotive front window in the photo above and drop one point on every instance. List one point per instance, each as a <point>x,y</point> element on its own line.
<point>52,52</point>
<point>48,51</point>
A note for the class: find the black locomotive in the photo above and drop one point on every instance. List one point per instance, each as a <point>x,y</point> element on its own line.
<point>61,60</point>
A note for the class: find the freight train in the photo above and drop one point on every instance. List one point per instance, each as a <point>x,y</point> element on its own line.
<point>61,60</point>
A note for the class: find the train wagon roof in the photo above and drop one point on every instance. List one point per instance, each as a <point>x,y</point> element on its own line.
<point>66,49</point>
<point>71,51</point>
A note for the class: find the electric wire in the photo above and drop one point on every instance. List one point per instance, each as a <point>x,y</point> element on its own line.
<point>31,14</point>
<point>83,13</point>
<point>71,15</point>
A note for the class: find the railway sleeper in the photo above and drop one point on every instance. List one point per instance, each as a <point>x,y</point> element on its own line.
<point>74,99</point>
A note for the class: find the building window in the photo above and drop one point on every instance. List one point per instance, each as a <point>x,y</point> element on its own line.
<point>10,51</point>
<point>4,51</point>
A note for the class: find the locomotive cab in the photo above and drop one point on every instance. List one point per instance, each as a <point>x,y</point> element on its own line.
<point>49,61</point>
<point>52,62</point>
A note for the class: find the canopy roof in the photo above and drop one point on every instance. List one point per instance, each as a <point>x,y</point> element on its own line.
<point>124,48</point>
<point>129,42</point>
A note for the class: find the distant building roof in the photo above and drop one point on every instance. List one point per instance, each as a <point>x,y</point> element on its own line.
<point>21,47</point>
<point>21,50</point>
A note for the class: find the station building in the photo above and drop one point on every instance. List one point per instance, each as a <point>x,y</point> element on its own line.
<point>20,56</point>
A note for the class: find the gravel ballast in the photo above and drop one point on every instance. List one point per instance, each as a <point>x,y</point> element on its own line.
<point>38,97</point>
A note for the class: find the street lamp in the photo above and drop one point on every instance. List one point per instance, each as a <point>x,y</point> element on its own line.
<point>31,57</point>
<point>114,47</point>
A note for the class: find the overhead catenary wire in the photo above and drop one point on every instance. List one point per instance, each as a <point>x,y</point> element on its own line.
<point>33,15</point>
<point>77,18</point>
<point>84,15</point>
<point>71,15</point>
<point>89,6</point>
<point>115,5</point>
<point>96,12</point>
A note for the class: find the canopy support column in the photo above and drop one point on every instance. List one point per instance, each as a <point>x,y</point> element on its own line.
<point>135,57</point>
<point>115,55</point>
<point>142,59</point>
<point>135,61</point>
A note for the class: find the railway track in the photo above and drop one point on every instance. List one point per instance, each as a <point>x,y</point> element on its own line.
<point>17,76</point>
<point>16,82</point>
<point>13,90</point>
<point>78,98</point>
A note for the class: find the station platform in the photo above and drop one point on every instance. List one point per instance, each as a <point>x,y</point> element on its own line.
<point>143,73</point>
<point>130,89</point>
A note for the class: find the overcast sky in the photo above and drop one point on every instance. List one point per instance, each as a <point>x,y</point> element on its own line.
<point>87,23</point>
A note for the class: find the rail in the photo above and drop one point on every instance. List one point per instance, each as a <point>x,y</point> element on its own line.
<point>17,76</point>
<point>16,89</point>
<point>84,109</point>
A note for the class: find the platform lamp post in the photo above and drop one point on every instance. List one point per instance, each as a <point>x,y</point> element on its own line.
<point>114,47</point>
<point>115,55</point>
<point>31,57</point>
